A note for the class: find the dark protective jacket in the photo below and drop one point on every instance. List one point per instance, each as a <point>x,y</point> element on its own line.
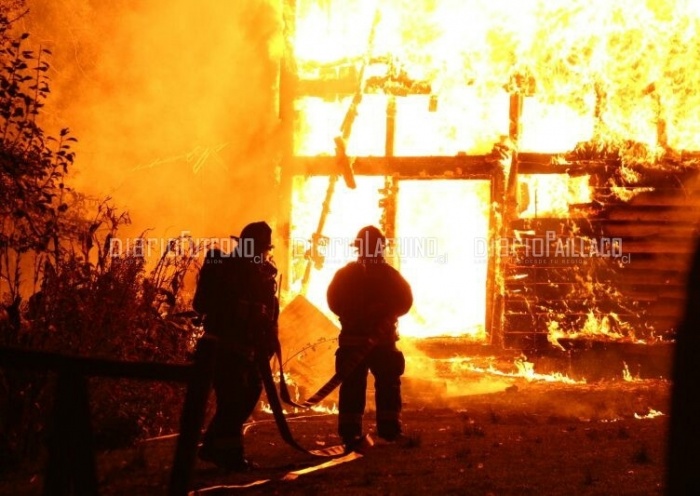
<point>238,298</point>
<point>369,296</point>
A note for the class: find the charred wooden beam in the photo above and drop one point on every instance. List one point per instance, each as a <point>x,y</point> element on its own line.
<point>340,78</point>
<point>343,160</point>
<point>660,262</point>
<point>526,165</point>
<point>495,282</point>
<point>646,213</point>
<point>663,245</point>
<point>664,197</point>
<point>71,464</point>
<point>331,87</point>
<point>390,126</point>
<point>391,184</point>
<point>71,468</point>
<point>661,128</point>
<point>193,417</point>
<point>688,156</point>
<point>458,167</point>
<point>288,82</point>
<point>97,367</point>
<point>512,191</point>
<point>314,258</point>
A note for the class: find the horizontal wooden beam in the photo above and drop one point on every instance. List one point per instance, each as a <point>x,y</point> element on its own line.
<point>670,246</point>
<point>640,230</point>
<point>43,360</point>
<point>547,164</point>
<point>633,213</point>
<point>438,167</point>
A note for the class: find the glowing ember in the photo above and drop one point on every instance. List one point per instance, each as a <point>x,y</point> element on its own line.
<point>626,373</point>
<point>321,409</point>
<point>652,414</point>
<point>524,369</point>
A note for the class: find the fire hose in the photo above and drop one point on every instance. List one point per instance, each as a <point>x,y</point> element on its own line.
<point>263,365</point>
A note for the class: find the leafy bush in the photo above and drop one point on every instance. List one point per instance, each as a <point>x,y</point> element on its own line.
<point>63,289</point>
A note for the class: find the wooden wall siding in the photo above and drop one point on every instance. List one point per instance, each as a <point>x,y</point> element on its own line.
<point>645,290</point>
<point>545,289</point>
<point>659,229</point>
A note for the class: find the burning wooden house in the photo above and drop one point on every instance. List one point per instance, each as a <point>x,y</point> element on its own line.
<point>535,172</point>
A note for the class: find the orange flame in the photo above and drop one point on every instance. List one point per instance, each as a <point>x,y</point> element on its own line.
<point>652,414</point>
<point>587,71</point>
<point>320,408</point>
<point>596,69</point>
<point>524,370</point>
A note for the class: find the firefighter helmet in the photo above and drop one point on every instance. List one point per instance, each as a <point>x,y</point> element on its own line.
<point>370,241</point>
<point>259,234</point>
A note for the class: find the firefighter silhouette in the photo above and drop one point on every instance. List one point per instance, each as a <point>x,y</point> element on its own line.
<point>237,295</point>
<point>368,296</point>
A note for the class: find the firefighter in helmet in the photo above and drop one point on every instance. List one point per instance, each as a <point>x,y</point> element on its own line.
<point>237,295</point>
<point>369,295</point>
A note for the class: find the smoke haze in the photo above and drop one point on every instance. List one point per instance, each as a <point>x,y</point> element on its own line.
<point>173,105</point>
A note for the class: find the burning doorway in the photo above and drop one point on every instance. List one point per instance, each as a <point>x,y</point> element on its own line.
<point>442,225</point>
<point>438,233</point>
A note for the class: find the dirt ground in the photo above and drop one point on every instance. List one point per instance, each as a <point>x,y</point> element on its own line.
<point>513,437</point>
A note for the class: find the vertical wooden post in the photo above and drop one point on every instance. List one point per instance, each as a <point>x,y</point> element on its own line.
<point>71,466</point>
<point>192,419</point>
<point>390,126</point>
<point>515,110</point>
<point>661,132</point>
<point>514,131</point>
<point>495,278</point>
<point>391,186</point>
<point>287,89</point>
<point>505,190</point>
<point>600,97</point>
<point>661,127</point>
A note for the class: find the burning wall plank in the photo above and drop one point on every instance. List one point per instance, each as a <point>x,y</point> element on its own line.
<point>613,269</point>
<point>658,226</point>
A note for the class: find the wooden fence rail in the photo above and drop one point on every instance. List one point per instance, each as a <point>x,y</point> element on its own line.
<point>70,469</point>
